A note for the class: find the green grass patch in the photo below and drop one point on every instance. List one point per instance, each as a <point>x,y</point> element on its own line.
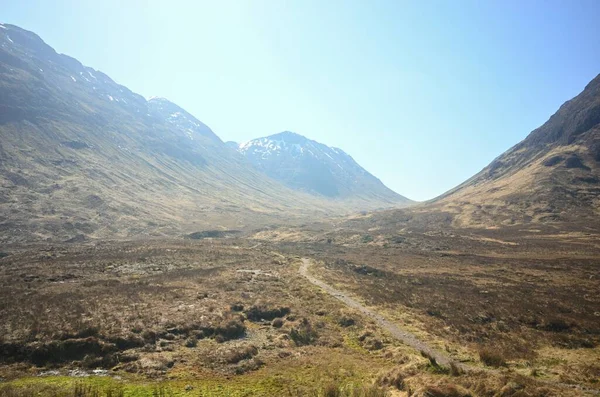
<point>308,375</point>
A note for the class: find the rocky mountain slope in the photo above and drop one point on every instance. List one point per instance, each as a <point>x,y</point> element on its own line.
<point>82,156</point>
<point>309,166</point>
<point>552,175</point>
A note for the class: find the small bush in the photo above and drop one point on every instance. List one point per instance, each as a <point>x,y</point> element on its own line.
<point>230,329</point>
<point>261,311</point>
<point>346,321</point>
<point>277,323</point>
<point>149,336</point>
<point>248,365</point>
<point>373,344</point>
<point>304,334</point>
<point>492,357</point>
<point>236,355</point>
<point>124,342</point>
<point>393,379</point>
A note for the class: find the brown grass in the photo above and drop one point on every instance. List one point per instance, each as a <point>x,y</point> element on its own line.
<point>199,308</point>
<point>492,357</point>
<point>518,291</point>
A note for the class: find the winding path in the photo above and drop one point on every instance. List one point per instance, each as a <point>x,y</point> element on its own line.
<point>404,336</point>
<point>411,339</point>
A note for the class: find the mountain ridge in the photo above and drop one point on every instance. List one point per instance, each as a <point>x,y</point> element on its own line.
<point>307,165</point>
<point>81,155</point>
<point>551,175</point>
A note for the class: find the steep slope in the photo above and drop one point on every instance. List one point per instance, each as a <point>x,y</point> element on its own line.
<point>552,175</point>
<point>81,155</point>
<point>312,167</point>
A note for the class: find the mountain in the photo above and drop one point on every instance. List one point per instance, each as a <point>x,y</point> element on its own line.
<point>552,175</point>
<point>82,156</point>
<point>309,166</point>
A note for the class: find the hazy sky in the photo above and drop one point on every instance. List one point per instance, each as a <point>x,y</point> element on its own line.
<point>422,94</point>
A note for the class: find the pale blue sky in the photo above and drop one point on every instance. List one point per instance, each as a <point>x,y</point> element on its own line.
<point>423,94</point>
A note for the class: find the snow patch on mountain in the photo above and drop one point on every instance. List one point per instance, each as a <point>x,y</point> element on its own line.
<point>286,142</point>
<point>307,165</point>
<point>191,127</point>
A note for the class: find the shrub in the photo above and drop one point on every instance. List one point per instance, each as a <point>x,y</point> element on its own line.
<point>373,344</point>
<point>393,379</point>
<point>260,312</point>
<point>304,334</point>
<point>249,365</point>
<point>236,355</point>
<point>277,323</point>
<point>230,329</point>
<point>149,336</point>
<point>126,342</point>
<point>491,357</point>
<point>346,321</point>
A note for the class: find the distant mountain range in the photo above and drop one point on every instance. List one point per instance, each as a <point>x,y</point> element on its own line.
<point>82,156</point>
<point>306,165</point>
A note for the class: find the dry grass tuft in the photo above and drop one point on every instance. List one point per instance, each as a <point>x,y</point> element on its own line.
<point>492,357</point>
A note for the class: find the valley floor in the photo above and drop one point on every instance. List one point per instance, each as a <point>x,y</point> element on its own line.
<point>313,312</point>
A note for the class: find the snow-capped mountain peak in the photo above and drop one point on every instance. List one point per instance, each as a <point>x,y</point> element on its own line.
<point>308,165</point>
